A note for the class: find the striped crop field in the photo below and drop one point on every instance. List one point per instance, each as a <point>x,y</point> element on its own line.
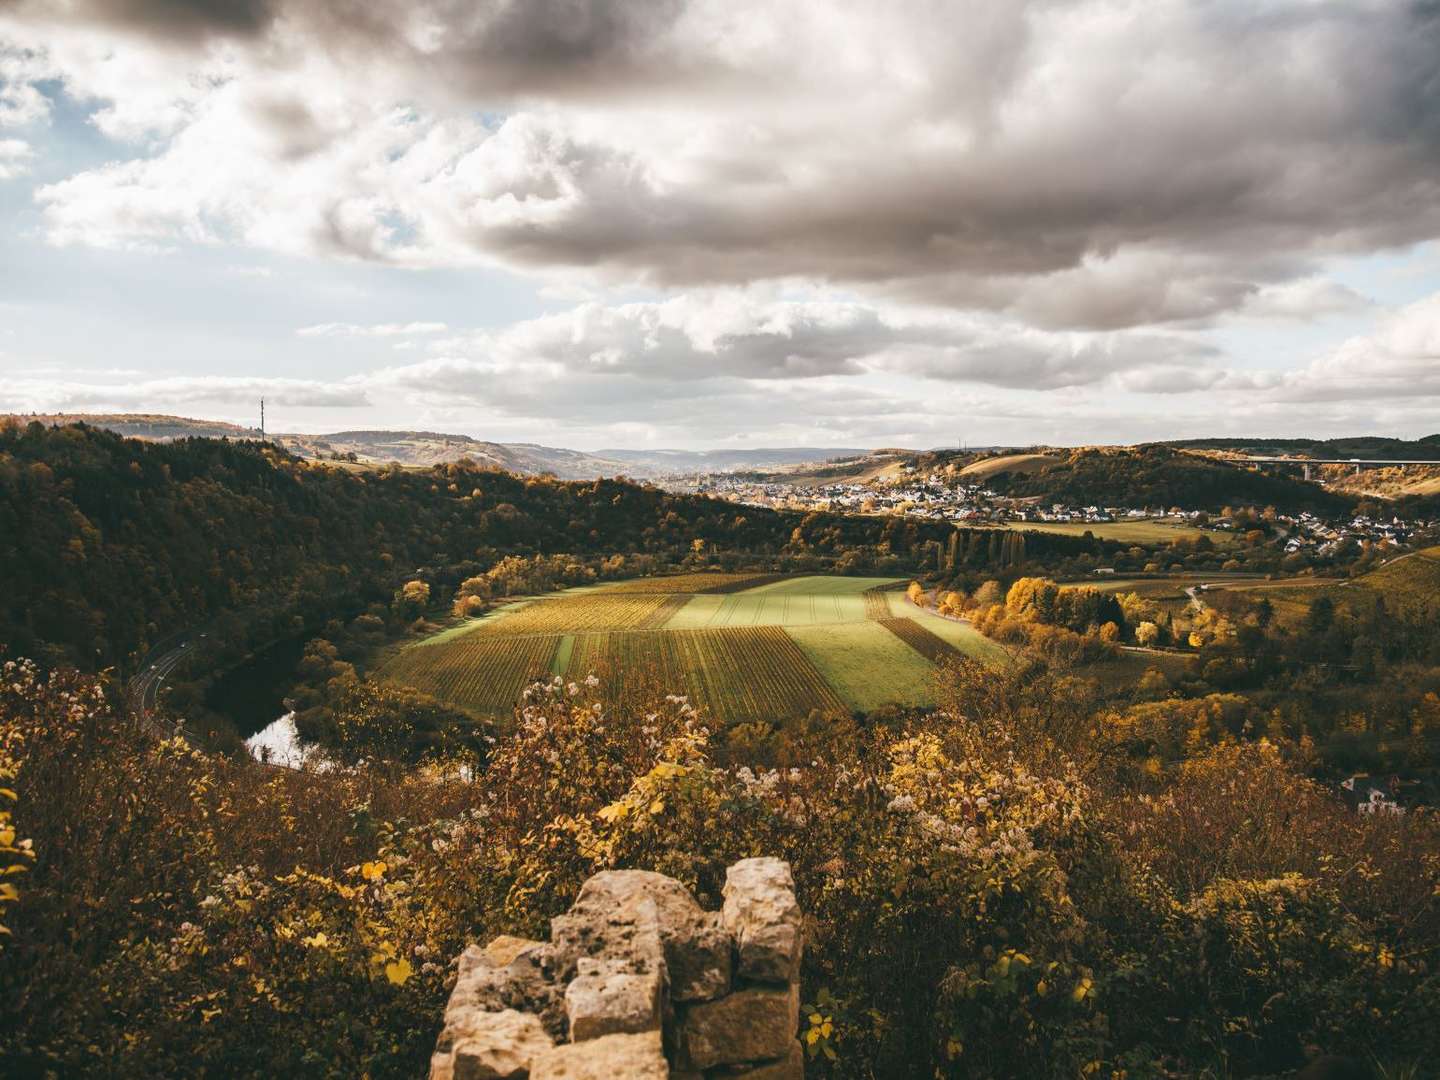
<point>561,614</point>
<point>740,646</point>
<point>931,646</point>
<point>704,582</point>
<point>756,673</point>
<point>476,672</point>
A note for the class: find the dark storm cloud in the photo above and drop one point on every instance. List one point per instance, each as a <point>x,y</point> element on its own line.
<point>175,19</point>
<point>1090,165</point>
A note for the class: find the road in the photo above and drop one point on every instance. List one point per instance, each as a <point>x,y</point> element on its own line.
<point>145,687</point>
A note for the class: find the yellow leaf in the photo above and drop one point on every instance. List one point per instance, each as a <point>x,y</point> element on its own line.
<point>614,812</point>
<point>657,806</point>
<point>372,871</point>
<point>397,971</point>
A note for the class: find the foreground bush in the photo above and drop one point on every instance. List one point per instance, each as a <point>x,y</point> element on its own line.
<point>975,909</point>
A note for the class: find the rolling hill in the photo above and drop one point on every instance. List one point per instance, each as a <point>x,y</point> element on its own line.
<point>1162,476</point>
<point>426,448</point>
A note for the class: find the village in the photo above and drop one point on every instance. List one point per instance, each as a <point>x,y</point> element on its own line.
<point>933,497</point>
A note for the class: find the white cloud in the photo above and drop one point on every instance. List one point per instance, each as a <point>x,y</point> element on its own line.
<point>15,155</point>
<point>1400,359</point>
<point>1306,298</point>
<point>95,391</point>
<point>411,329</point>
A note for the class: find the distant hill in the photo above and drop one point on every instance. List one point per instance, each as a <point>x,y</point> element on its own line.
<point>426,448</point>
<point>143,425</point>
<point>706,461</point>
<point>1161,476</point>
<point>1358,446</point>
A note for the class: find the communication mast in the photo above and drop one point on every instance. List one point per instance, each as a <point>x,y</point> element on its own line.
<point>262,419</point>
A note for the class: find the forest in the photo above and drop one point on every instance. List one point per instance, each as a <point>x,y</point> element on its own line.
<point>1161,476</point>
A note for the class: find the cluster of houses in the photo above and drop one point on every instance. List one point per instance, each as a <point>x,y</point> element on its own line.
<point>944,500</point>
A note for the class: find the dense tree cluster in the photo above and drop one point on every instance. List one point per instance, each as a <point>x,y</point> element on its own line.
<point>1160,476</point>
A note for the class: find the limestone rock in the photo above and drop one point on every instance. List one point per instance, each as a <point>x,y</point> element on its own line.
<point>491,1046</point>
<point>605,999</point>
<point>697,953</point>
<point>761,913</point>
<point>695,944</point>
<point>747,1026</point>
<point>789,1067</point>
<point>524,982</point>
<point>504,949</point>
<point>611,1057</point>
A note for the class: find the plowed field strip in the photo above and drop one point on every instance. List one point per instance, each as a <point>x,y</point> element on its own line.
<point>694,583</point>
<point>753,581</point>
<point>934,648</point>
<point>735,674</point>
<point>661,615</point>
<point>478,673</point>
<point>569,614</point>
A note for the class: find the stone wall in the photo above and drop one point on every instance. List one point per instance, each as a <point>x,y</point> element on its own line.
<point>637,981</point>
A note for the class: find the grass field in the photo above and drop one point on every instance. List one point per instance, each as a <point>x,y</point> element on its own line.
<point>796,601</point>
<point>1147,531</point>
<point>778,647</point>
<point>867,665</point>
<point>1023,464</point>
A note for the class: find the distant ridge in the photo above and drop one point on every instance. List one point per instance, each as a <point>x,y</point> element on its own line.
<point>424,448</point>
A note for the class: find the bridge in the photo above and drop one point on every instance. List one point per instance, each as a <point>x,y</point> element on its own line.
<point>1359,463</point>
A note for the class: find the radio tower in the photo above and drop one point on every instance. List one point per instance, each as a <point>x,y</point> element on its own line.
<point>262,419</point>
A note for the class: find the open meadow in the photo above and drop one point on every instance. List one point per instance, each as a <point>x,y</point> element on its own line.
<point>743,647</point>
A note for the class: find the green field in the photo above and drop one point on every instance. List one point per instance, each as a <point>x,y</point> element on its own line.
<point>772,649</point>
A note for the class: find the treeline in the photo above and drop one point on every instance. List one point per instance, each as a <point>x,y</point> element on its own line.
<point>1361,446</point>
<point>113,544</point>
<point>1162,477</point>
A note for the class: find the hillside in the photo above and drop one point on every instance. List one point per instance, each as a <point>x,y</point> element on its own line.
<point>1162,476</point>
<point>113,543</point>
<point>661,462</point>
<point>1359,446</point>
<point>1409,584</point>
<point>426,448</point>
<point>1018,464</point>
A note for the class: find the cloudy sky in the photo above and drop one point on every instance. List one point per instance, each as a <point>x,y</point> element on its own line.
<point>690,223</point>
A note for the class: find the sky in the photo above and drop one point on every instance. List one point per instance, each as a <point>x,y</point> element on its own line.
<point>721,223</point>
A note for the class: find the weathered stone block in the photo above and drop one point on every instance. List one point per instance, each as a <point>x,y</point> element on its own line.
<point>760,912</point>
<point>694,942</point>
<point>748,1026</point>
<point>606,999</point>
<point>790,1067</point>
<point>490,1046</point>
<point>633,1057</point>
